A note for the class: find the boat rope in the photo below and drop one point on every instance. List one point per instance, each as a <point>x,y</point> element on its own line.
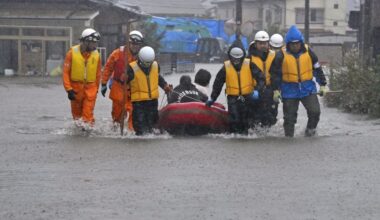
<point>198,100</point>
<point>162,101</point>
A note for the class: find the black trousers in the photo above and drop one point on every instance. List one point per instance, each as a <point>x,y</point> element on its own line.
<point>238,110</point>
<point>263,112</point>
<point>145,116</point>
<point>290,108</point>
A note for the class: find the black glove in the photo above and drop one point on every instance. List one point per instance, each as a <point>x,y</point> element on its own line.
<point>71,94</point>
<point>209,102</point>
<point>103,90</point>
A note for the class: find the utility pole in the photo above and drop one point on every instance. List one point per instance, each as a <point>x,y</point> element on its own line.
<point>368,36</point>
<point>362,28</point>
<point>307,21</point>
<point>239,18</point>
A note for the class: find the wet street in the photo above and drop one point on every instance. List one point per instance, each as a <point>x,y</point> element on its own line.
<point>51,170</point>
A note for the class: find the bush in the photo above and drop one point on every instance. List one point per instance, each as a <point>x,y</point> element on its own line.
<point>360,86</point>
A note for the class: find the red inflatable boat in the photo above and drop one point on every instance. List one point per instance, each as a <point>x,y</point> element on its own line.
<point>193,118</point>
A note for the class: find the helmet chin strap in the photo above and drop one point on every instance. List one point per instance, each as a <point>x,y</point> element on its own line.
<point>143,66</point>
<point>237,66</point>
<point>87,47</point>
<point>263,53</point>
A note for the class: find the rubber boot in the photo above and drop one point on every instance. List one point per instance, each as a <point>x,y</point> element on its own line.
<point>310,132</point>
<point>289,131</point>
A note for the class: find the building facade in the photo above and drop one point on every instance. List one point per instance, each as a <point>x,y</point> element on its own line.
<point>169,8</point>
<point>327,17</point>
<point>257,14</point>
<point>35,41</point>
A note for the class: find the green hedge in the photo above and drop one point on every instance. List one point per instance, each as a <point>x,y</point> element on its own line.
<point>360,86</point>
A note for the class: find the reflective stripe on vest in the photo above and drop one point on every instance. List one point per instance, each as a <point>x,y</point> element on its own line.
<point>264,66</point>
<point>238,83</point>
<point>297,69</point>
<point>144,87</point>
<point>84,70</point>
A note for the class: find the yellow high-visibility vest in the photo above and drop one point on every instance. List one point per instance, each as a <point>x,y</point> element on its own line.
<point>238,83</point>
<point>84,70</point>
<point>144,87</point>
<point>297,69</point>
<point>264,66</point>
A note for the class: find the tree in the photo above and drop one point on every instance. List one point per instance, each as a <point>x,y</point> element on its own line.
<point>152,36</point>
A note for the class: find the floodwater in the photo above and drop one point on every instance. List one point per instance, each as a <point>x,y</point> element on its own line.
<point>50,170</point>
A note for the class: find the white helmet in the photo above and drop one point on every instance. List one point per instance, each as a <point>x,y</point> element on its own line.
<point>276,40</point>
<point>146,55</point>
<point>135,36</point>
<point>90,34</point>
<point>262,36</point>
<point>236,52</point>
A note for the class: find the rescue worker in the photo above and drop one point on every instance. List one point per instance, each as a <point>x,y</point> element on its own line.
<point>202,80</point>
<point>293,71</point>
<point>265,109</point>
<point>238,73</point>
<point>276,42</point>
<point>115,69</point>
<point>186,92</point>
<point>81,76</point>
<point>144,78</point>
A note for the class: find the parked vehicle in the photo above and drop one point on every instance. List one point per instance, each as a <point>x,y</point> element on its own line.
<point>211,50</point>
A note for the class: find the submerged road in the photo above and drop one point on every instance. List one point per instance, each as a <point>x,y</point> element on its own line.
<point>49,170</point>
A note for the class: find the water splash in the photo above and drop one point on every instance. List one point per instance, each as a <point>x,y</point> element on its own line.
<point>103,128</point>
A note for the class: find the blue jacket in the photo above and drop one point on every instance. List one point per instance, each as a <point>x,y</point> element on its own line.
<point>302,89</point>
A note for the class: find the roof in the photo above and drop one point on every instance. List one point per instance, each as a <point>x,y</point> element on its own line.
<point>232,1</point>
<point>167,7</point>
<point>42,13</point>
<point>125,5</point>
<point>61,9</point>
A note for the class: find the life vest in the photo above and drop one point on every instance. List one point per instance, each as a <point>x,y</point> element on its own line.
<point>264,66</point>
<point>143,86</point>
<point>84,70</point>
<point>299,69</point>
<point>120,63</point>
<point>238,83</point>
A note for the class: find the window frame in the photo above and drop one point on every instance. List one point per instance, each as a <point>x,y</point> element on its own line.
<point>300,16</point>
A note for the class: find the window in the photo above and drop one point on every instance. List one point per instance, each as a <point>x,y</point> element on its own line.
<point>8,31</point>
<point>335,23</point>
<point>57,32</point>
<point>268,17</point>
<point>316,16</point>
<point>278,16</point>
<point>336,6</point>
<point>33,32</point>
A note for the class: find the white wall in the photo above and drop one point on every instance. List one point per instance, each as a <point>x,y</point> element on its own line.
<point>336,15</point>
<point>251,11</point>
<point>330,14</point>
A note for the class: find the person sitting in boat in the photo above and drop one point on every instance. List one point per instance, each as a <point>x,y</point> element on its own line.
<point>202,80</point>
<point>238,73</point>
<point>186,92</point>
